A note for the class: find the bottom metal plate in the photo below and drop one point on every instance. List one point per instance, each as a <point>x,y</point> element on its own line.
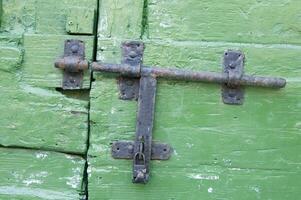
<point>125,150</point>
<point>234,96</point>
<point>72,80</point>
<point>128,88</point>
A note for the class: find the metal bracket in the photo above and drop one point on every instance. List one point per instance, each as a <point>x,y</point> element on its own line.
<point>143,88</point>
<point>132,54</point>
<point>73,64</point>
<point>233,65</point>
<point>125,150</point>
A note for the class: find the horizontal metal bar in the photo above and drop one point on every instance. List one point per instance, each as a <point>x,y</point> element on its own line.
<point>188,75</point>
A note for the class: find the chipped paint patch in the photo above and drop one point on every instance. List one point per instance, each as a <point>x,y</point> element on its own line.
<point>41,155</point>
<point>210,190</point>
<point>256,189</point>
<point>74,181</point>
<point>203,177</point>
<point>189,145</point>
<point>32,181</point>
<point>35,178</point>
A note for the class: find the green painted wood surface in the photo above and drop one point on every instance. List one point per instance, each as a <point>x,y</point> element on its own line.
<point>44,28</point>
<point>120,19</point>
<point>251,21</point>
<point>33,175</point>
<point>36,115</point>
<point>220,151</point>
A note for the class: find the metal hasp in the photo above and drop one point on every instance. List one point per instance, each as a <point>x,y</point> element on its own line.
<point>73,64</point>
<point>143,88</point>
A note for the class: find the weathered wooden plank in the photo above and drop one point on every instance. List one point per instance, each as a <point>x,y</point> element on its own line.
<point>38,117</point>
<point>41,118</point>
<point>44,25</point>
<point>249,21</point>
<point>81,21</point>
<point>40,16</point>
<point>120,19</point>
<point>35,115</point>
<point>201,182</point>
<point>27,174</point>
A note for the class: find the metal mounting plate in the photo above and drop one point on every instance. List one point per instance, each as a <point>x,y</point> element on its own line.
<point>128,88</point>
<point>73,49</point>
<point>73,64</point>
<point>125,150</point>
<point>132,54</point>
<point>233,65</point>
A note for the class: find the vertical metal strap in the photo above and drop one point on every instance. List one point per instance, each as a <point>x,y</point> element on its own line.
<point>144,128</point>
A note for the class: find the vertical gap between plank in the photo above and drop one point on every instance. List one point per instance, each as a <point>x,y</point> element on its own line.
<point>86,175</point>
<point>144,21</point>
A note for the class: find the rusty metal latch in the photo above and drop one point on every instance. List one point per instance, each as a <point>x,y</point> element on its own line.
<point>142,150</point>
<point>139,82</point>
<point>73,64</point>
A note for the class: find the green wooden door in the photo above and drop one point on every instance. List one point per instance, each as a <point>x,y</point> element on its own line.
<point>56,144</point>
<point>220,151</point>
<point>43,130</point>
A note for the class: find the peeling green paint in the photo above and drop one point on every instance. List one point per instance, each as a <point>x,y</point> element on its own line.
<point>27,174</point>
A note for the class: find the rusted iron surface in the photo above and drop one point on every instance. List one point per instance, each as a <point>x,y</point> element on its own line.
<point>132,53</point>
<point>144,129</point>
<point>189,75</point>
<point>233,65</point>
<point>125,150</point>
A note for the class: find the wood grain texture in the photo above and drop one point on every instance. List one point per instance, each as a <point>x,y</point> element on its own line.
<point>41,118</point>
<point>33,175</point>
<point>252,21</point>
<point>40,17</point>
<point>120,19</point>
<point>35,114</point>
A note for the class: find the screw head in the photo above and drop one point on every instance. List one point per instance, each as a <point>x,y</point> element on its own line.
<point>74,48</point>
